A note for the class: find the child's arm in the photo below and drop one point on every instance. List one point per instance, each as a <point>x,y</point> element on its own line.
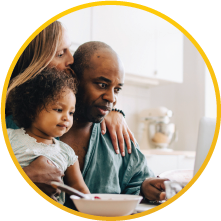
<point>74,178</point>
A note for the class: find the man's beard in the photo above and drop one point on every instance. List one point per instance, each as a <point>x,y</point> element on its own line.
<point>84,113</point>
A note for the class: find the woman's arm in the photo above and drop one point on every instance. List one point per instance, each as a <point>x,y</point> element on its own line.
<point>119,131</point>
<point>73,178</point>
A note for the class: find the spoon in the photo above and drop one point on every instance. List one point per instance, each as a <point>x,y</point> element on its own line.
<point>69,190</point>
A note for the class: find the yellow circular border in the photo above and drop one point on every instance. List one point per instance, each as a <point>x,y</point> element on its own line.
<point>145,8</point>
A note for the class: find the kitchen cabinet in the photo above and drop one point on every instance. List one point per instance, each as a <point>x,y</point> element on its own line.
<point>148,45</point>
<point>169,51</point>
<point>186,161</point>
<point>130,32</point>
<point>160,161</point>
<point>150,48</point>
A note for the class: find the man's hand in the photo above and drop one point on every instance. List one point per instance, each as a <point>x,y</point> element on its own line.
<point>154,189</point>
<point>42,171</point>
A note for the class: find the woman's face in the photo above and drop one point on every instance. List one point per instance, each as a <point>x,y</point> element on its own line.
<point>63,57</point>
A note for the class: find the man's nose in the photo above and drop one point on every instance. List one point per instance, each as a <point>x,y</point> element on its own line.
<point>110,96</point>
<point>70,59</point>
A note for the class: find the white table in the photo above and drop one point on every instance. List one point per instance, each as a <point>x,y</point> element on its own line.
<point>144,207</point>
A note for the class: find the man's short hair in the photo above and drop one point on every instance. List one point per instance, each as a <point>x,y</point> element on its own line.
<point>83,55</point>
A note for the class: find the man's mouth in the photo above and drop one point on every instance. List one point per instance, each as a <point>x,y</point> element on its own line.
<point>103,110</point>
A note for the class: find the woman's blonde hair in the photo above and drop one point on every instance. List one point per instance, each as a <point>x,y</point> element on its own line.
<point>37,55</point>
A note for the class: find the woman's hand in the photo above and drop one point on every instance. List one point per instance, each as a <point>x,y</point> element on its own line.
<point>119,131</point>
<point>41,172</point>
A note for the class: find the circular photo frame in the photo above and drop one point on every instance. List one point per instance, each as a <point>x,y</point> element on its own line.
<point>156,13</point>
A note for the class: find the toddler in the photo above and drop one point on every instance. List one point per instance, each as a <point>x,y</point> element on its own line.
<point>43,108</point>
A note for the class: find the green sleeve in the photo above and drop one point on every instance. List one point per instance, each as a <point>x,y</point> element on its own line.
<point>137,171</point>
<point>10,123</point>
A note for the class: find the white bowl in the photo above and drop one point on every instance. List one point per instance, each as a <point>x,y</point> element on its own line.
<point>108,204</point>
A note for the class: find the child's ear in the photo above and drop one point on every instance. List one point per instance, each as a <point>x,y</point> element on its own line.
<point>32,118</point>
<point>34,115</point>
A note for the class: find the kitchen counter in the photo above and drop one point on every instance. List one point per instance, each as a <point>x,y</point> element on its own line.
<point>166,152</point>
<point>143,207</point>
<point>161,160</point>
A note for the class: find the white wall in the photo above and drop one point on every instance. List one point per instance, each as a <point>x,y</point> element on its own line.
<point>210,96</point>
<point>132,100</point>
<point>186,100</point>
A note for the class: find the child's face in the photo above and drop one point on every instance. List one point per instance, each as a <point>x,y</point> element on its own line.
<point>58,118</point>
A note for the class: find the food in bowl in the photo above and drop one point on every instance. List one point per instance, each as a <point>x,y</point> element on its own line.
<point>109,205</point>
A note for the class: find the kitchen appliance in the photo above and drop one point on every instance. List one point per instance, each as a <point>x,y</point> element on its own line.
<point>206,132</point>
<point>161,133</point>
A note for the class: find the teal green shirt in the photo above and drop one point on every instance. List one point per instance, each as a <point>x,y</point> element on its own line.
<point>107,172</point>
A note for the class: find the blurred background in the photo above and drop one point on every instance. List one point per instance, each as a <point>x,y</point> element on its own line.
<point>167,88</point>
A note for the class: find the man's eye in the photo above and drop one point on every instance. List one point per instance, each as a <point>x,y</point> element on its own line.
<point>102,85</point>
<point>117,90</point>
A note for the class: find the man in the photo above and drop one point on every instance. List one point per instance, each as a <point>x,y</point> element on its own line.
<point>101,76</point>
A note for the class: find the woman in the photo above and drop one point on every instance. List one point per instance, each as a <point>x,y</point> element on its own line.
<point>50,48</point>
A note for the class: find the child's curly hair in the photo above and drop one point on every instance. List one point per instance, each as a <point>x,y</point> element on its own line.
<point>28,99</point>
